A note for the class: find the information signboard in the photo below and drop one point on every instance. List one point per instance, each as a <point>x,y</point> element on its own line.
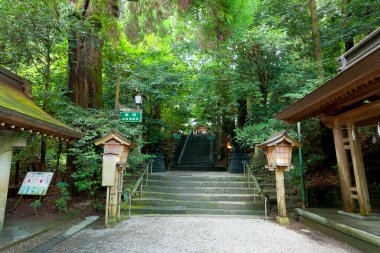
<point>36,183</point>
<point>131,115</point>
<point>177,136</point>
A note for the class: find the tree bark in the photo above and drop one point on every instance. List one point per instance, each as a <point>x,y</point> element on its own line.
<point>85,82</point>
<point>316,36</point>
<point>85,71</point>
<point>242,115</point>
<point>348,42</point>
<point>44,105</point>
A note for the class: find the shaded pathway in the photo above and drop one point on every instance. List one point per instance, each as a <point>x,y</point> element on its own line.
<point>200,234</point>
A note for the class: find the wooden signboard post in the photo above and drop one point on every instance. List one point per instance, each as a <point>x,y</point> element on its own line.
<point>278,149</point>
<point>116,149</point>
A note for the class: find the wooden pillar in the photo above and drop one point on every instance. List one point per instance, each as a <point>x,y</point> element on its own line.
<point>359,170</point>
<point>7,143</point>
<point>343,170</point>
<point>113,202</point>
<point>281,218</point>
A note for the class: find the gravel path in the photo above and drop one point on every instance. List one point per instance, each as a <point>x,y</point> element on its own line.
<point>200,234</point>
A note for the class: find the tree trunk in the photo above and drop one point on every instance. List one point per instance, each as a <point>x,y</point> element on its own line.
<point>70,168</point>
<point>316,36</point>
<point>85,71</point>
<point>59,151</point>
<point>348,41</point>
<point>44,106</point>
<point>242,112</point>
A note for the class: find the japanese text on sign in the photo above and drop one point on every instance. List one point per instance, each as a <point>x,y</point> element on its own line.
<point>36,183</point>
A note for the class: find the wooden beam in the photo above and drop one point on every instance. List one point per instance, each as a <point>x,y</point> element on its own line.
<point>343,170</point>
<point>359,171</point>
<point>358,96</point>
<point>360,114</point>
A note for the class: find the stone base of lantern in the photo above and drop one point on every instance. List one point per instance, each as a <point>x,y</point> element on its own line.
<point>282,220</point>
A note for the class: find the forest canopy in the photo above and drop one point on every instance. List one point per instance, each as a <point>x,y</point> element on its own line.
<point>227,64</point>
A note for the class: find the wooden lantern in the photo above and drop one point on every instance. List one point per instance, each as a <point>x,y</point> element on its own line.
<point>278,149</point>
<point>116,149</point>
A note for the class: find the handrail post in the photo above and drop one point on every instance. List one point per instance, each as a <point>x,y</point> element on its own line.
<point>130,203</point>
<point>183,150</point>
<point>141,189</point>
<point>265,202</point>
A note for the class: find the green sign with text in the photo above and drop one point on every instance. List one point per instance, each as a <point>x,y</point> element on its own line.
<point>131,115</point>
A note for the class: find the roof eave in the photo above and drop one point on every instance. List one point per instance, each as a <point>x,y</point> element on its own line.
<point>20,120</point>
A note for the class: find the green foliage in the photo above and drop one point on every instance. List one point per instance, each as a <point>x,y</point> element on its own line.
<point>257,133</point>
<point>36,205</point>
<point>61,203</point>
<point>87,157</point>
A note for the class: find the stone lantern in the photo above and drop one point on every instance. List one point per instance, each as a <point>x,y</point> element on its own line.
<point>278,150</point>
<point>116,149</point>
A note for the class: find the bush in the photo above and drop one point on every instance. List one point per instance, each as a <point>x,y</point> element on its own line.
<point>61,203</point>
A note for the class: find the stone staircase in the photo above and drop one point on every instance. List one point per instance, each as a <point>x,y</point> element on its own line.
<point>196,155</point>
<point>212,193</point>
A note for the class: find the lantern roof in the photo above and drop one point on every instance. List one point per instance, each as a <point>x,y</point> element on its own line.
<point>115,135</point>
<point>279,137</point>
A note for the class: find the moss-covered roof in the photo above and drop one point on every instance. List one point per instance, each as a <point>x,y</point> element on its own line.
<point>18,109</point>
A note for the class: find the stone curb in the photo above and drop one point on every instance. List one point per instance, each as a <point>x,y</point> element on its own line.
<point>359,234</point>
<point>59,223</point>
<point>58,239</point>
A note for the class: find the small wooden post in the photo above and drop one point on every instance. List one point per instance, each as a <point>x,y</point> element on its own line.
<point>107,205</point>
<point>343,170</point>
<point>359,171</point>
<point>281,218</point>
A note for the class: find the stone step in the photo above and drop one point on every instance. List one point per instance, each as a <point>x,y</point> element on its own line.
<point>184,210</point>
<point>195,177</point>
<point>225,212</point>
<point>197,168</point>
<point>218,190</point>
<point>236,184</point>
<point>230,205</point>
<point>203,196</point>
<point>154,210</point>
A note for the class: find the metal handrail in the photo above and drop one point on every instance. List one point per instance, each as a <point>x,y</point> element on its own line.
<point>140,183</point>
<point>211,152</point>
<point>248,173</point>
<point>183,150</point>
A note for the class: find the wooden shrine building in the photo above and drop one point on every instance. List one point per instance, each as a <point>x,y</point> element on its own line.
<point>345,103</point>
<point>18,113</point>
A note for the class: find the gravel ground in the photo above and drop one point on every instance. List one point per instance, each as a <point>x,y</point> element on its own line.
<point>201,234</point>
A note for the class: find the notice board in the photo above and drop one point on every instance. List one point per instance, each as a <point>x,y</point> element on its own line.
<point>36,183</point>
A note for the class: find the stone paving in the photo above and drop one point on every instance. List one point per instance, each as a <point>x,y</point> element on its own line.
<point>201,234</point>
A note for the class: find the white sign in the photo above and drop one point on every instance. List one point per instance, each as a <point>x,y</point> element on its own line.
<point>36,183</point>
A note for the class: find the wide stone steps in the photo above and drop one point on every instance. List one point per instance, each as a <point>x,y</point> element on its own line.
<point>228,190</point>
<point>199,168</point>
<point>193,211</point>
<point>205,196</point>
<point>197,183</point>
<point>212,193</point>
<point>197,177</point>
<point>241,205</point>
